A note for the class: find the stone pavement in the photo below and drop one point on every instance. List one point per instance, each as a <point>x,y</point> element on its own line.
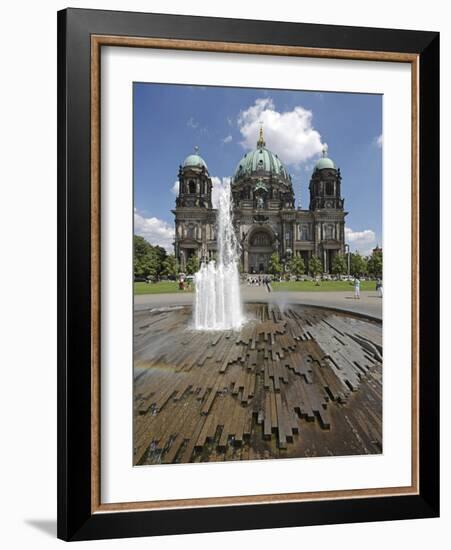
<point>370,303</point>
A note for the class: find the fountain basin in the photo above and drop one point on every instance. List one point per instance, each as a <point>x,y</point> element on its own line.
<point>291,382</point>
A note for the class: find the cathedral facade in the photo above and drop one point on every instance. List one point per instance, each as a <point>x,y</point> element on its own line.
<point>264,213</point>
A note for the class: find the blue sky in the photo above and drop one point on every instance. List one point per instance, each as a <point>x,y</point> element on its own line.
<point>170,120</point>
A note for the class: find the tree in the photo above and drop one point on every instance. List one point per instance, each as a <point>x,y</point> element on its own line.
<point>148,260</point>
<point>375,263</point>
<point>339,265</point>
<point>170,266</point>
<point>315,266</point>
<point>274,266</point>
<point>160,255</point>
<point>358,264</point>
<point>192,265</point>
<point>296,266</point>
<point>145,260</point>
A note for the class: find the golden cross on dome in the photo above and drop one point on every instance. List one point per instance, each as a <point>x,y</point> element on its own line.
<point>261,139</point>
<point>196,149</point>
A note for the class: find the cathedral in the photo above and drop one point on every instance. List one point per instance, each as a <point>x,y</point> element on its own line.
<point>264,213</point>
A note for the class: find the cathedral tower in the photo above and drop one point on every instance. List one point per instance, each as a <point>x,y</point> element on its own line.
<point>327,207</point>
<point>325,185</point>
<point>194,182</point>
<point>194,214</point>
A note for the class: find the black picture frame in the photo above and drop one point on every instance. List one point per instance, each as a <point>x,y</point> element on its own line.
<point>76,521</point>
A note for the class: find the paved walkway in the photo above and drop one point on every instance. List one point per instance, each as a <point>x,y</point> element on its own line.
<point>369,304</point>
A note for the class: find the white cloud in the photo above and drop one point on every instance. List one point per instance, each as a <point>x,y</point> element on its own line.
<point>155,231</point>
<point>227,139</point>
<point>195,125</point>
<point>175,187</point>
<point>192,123</point>
<point>289,134</point>
<point>229,121</point>
<point>361,241</point>
<point>309,167</point>
<point>379,141</point>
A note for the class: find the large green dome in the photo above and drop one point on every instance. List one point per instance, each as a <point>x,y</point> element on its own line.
<point>260,160</point>
<point>195,160</point>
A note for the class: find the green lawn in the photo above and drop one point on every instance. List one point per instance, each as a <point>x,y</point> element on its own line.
<point>310,286</point>
<point>163,287</point>
<point>169,287</point>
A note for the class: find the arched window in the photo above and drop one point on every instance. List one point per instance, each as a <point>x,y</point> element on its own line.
<point>261,238</point>
<point>192,187</point>
<point>191,231</point>
<point>329,231</point>
<point>329,188</point>
<point>304,232</point>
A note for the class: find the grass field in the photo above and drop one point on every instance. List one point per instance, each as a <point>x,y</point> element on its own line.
<point>324,286</point>
<point>163,287</point>
<point>170,287</point>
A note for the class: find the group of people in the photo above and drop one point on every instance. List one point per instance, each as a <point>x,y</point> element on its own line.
<point>258,280</point>
<point>379,288</point>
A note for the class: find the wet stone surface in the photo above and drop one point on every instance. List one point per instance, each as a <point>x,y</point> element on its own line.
<point>293,382</point>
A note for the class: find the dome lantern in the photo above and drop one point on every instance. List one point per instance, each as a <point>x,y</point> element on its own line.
<point>261,141</point>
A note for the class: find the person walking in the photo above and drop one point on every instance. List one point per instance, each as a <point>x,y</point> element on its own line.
<point>181,282</point>
<point>379,288</point>
<point>357,288</point>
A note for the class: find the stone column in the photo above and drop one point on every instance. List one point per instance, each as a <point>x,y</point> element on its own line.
<point>317,237</point>
<point>246,261</point>
<point>284,242</point>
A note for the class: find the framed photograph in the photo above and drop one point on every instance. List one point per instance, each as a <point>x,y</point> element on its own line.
<point>248,274</point>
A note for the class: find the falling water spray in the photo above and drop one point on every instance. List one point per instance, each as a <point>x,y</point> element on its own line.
<point>218,298</point>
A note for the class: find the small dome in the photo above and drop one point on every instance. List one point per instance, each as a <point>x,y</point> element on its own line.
<point>195,160</point>
<point>325,161</point>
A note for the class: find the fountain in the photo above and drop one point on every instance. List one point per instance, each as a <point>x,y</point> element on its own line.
<point>218,297</point>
